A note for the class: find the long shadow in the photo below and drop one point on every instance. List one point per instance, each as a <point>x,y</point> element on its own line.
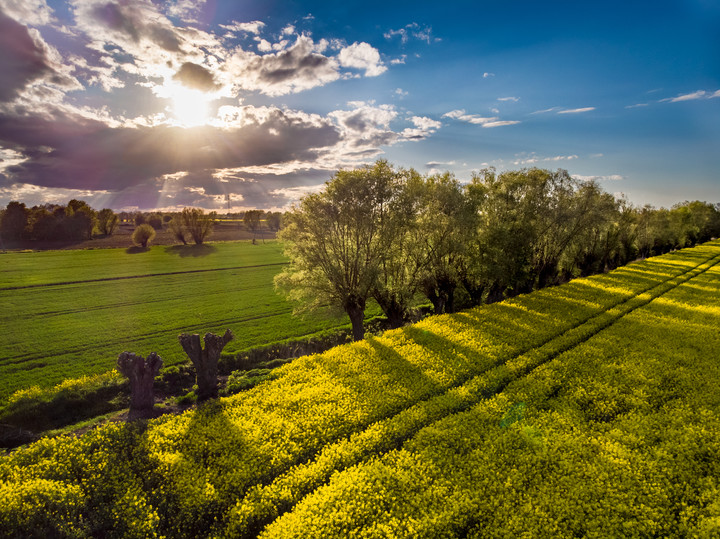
<point>135,249</point>
<point>194,251</point>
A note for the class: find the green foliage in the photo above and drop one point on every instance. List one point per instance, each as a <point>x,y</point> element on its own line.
<point>402,434</point>
<point>197,224</point>
<point>143,234</point>
<point>70,313</point>
<point>107,221</point>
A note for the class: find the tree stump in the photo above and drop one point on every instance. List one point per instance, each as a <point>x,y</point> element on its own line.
<point>141,373</point>
<point>206,360</point>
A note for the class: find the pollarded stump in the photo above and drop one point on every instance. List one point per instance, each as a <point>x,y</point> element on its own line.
<point>205,361</point>
<point>141,372</point>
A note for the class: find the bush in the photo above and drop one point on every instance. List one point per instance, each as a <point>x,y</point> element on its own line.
<point>143,235</point>
<point>197,223</point>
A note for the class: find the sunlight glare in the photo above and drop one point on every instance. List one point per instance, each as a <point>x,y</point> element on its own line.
<point>190,107</point>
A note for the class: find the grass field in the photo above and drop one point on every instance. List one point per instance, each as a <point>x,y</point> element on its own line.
<point>585,410</point>
<point>70,313</point>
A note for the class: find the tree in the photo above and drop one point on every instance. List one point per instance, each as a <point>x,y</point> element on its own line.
<point>80,220</point>
<point>177,229</point>
<point>274,220</point>
<point>14,220</point>
<point>143,235</point>
<point>197,224</point>
<point>155,221</point>
<point>107,221</point>
<point>141,372</point>
<point>332,241</point>
<point>252,221</point>
<point>205,360</point>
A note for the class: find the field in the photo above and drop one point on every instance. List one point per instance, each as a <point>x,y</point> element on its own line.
<point>70,313</point>
<point>589,409</point>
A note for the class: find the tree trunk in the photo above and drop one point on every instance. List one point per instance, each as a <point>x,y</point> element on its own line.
<point>355,308</point>
<point>495,294</point>
<point>141,373</point>
<point>393,309</point>
<point>205,361</point>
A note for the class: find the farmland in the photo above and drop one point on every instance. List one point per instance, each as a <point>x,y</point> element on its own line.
<point>70,313</point>
<point>587,409</point>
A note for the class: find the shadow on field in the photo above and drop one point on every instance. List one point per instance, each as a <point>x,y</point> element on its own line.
<point>135,249</point>
<point>191,250</point>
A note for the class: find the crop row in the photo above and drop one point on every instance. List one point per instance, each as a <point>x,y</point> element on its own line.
<point>617,437</point>
<point>57,331</point>
<point>185,475</point>
<point>264,503</point>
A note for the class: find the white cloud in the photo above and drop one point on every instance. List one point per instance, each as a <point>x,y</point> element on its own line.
<point>362,56</point>
<point>487,75</point>
<point>699,94</point>
<point>254,27</point>
<point>414,30</point>
<point>636,106</point>
<point>492,121</point>
<point>397,61</point>
<point>533,159</point>
<point>611,177</point>
<point>513,99</point>
<point>543,111</point>
<point>400,92</point>
<point>32,12</point>
<point>576,111</point>
<point>424,127</point>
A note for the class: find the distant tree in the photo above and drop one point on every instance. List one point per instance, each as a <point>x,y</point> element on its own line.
<point>139,219</point>
<point>332,240</point>
<point>274,220</point>
<point>80,220</point>
<point>143,235</point>
<point>197,223</point>
<point>178,230</point>
<point>107,221</point>
<point>14,220</point>
<point>155,221</point>
<point>252,221</point>
<point>166,218</point>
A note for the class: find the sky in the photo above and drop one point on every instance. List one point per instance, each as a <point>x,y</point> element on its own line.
<point>142,104</point>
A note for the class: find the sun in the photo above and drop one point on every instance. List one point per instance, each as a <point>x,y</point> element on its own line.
<point>190,107</point>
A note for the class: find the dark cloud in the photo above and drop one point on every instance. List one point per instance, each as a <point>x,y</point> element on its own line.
<point>196,76</point>
<point>85,154</point>
<point>22,61</point>
<point>131,20</point>
<point>294,69</point>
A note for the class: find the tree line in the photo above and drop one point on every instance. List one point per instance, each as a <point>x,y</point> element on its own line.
<point>77,221</point>
<point>393,235</point>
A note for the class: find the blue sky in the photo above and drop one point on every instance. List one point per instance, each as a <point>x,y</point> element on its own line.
<point>166,104</point>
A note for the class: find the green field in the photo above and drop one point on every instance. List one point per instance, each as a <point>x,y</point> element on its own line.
<point>70,313</point>
<point>585,410</point>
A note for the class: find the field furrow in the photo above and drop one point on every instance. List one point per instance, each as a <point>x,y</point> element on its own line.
<point>494,469</point>
<point>266,502</point>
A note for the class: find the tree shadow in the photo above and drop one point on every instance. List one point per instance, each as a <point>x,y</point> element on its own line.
<point>135,249</point>
<point>195,251</point>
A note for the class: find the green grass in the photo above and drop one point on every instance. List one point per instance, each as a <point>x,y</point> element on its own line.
<point>70,313</point>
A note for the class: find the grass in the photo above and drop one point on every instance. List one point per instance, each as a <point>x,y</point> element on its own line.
<point>68,314</point>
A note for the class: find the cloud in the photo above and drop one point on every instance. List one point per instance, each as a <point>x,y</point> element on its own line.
<point>292,70</point>
<point>636,106</point>
<point>487,75</point>
<point>533,159</point>
<point>544,111</point>
<point>424,127</point>
<point>699,94</point>
<point>254,27</point>
<point>488,122</point>
<point>362,56</point>
<point>611,177</point>
<point>400,93</point>
<point>513,99</point>
<point>32,12</point>
<point>576,111</point>
<point>412,30</point>
<point>26,59</point>
<point>196,76</point>
<point>185,10</point>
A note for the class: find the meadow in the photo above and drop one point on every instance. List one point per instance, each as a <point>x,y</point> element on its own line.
<point>70,313</point>
<point>588,409</point>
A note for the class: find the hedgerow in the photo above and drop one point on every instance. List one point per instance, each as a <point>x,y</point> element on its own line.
<point>447,427</point>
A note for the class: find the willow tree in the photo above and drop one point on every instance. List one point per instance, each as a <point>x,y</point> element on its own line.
<point>333,241</point>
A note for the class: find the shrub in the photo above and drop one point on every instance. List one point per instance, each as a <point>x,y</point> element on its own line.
<point>143,235</point>
<point>197,224</point>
